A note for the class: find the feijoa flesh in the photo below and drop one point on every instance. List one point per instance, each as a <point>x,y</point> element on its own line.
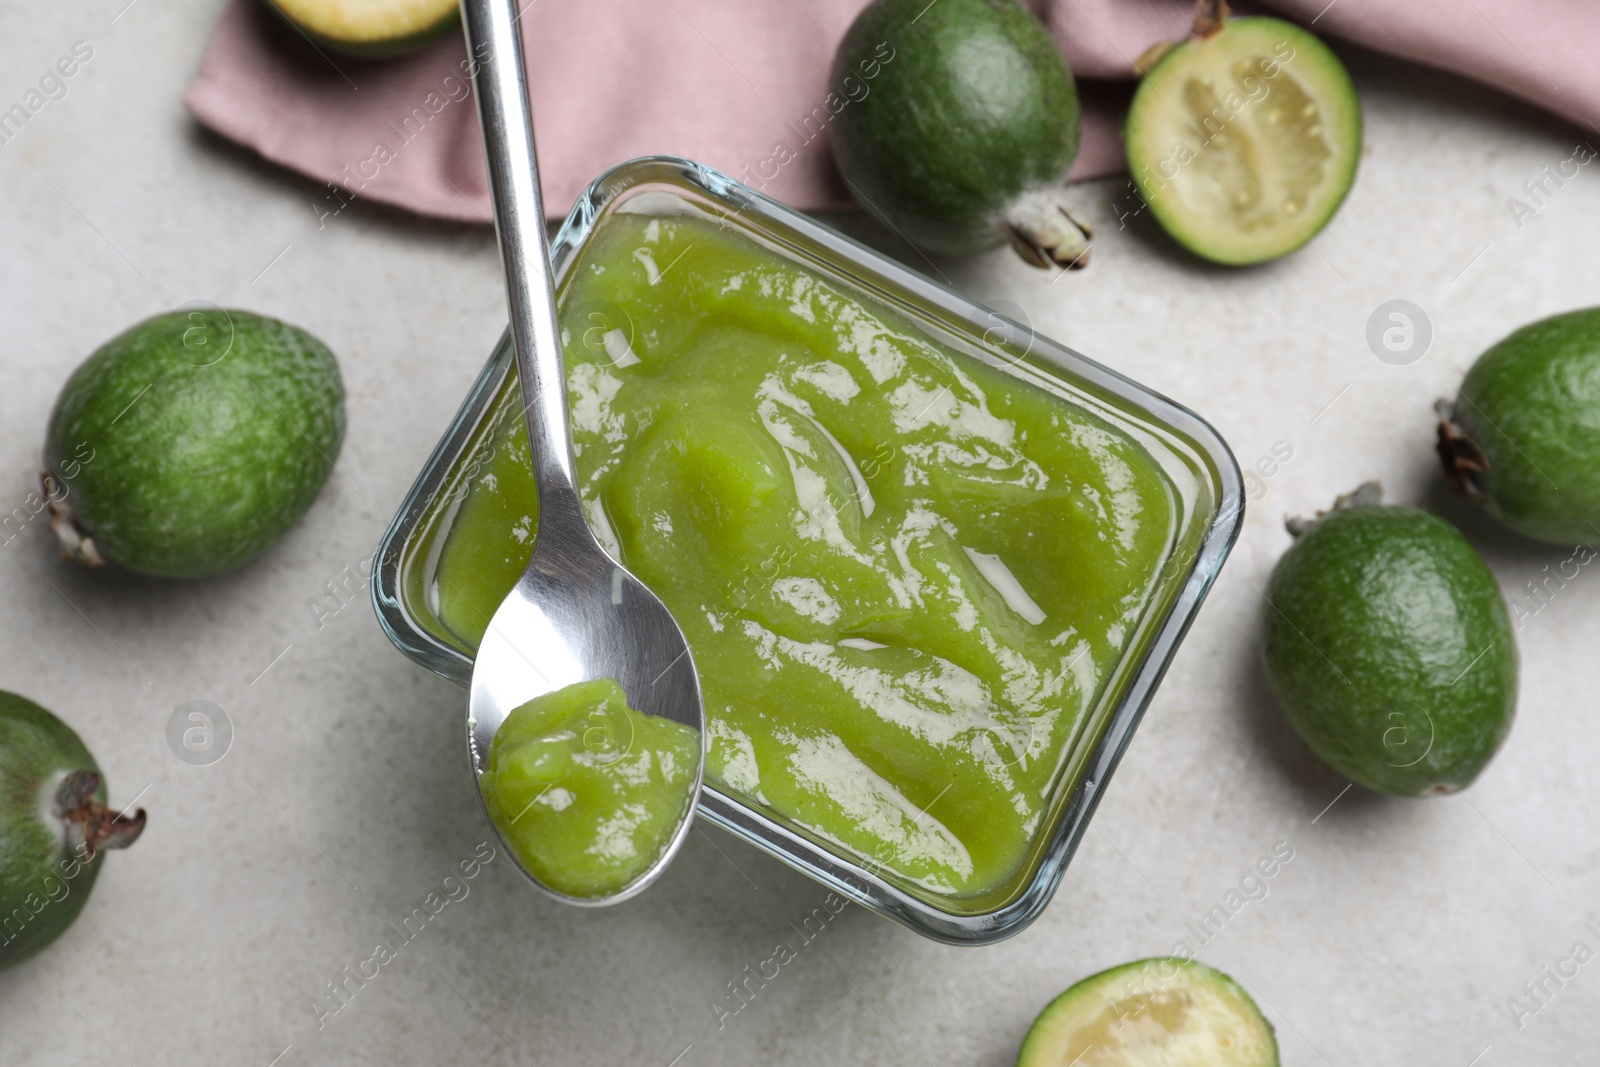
<point>191,442</point>
<point>1523,435</point>
<point>1388,647</point>
<point>1244,138</point>
<point>960,123</point>
<point>371,29</point>
<point>1152,1013</point>
<point>54,827</point>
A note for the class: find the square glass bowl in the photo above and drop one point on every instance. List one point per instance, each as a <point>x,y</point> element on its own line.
<point>1207,499</point>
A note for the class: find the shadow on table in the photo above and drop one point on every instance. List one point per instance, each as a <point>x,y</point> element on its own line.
<point>1286,754</point>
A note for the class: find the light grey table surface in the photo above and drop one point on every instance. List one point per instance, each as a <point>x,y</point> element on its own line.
<point>1395,935</point>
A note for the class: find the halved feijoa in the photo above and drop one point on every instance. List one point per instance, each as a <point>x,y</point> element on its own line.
<point>54,824</point>
<point>371,28</point>
<point>1523,436</point>
<point>956,122</point>
<point>1244,138</point>
<point>1152,1013</point>
<point>191,442</point>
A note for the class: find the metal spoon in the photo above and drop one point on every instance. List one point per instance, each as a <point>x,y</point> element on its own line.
<point>575,614</point>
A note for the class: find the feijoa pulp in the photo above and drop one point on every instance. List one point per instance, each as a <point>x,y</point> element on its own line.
<point>1244,138</point>
<point>1158,1012</point>
<point>371,29</point>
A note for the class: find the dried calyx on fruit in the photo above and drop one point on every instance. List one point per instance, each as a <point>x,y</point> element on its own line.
<point>1521,438</point>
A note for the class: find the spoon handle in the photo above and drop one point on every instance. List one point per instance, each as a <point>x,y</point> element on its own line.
<point>502,88</point>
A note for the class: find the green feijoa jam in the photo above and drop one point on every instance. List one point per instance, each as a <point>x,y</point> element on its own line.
<point>191,442</point>
<point>1388,647</point>
<point>968,127</point>
<point>1523,436</point>
<point>54,826</point>
<point>1161,1012</point>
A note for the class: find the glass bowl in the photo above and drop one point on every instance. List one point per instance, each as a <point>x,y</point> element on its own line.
<point>1208,500</point>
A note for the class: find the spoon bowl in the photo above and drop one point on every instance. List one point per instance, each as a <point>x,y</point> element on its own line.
<point>576,614</point>
<point>573,616</point>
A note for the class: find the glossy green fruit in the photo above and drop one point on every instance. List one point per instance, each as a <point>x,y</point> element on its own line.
<point>54,826</point>
<point>1162,1012</point>
<point>371,29</point>
<point>191,442</point>
<point>958,122</point>
<point>1244,139</point>
<point>1523,437</point>
<point>1388,647</point>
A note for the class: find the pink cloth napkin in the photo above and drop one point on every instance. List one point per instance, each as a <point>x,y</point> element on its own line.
<point>732,82</point>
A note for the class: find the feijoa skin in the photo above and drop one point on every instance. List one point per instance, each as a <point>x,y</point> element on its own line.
<point>1523,436</point>
<point>371,29</point>
<point>960,124</point>
<point>191,442</point>
<point>54,827</point>
<point>1388,648</point>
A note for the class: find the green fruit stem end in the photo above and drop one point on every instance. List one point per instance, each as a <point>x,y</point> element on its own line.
<point>76,545</point>
<point>1210,16</point>
<point>1044,232</point>
<point>1365,495</point>
<point>1464,461</point>
<point>87,825</point>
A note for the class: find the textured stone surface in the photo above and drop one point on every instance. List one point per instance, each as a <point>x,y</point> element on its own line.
<point>1395,934</point>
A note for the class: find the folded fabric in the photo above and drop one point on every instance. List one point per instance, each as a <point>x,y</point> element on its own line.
<point>743,86</point>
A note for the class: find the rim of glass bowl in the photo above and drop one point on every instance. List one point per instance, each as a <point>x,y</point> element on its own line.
<point>899,287</point>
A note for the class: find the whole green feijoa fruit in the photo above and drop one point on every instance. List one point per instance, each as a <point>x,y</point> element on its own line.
<point>1388,647</point>
<point>54,826</point>
<point>191,442</point>
<point>957,123</point>
<point>1152,1013</point>
<point>1523,436</point>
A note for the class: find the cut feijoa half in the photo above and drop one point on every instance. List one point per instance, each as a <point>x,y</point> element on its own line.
<point>1152,1013</point>
<point>1244,138</point>
<point>371,28</point>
